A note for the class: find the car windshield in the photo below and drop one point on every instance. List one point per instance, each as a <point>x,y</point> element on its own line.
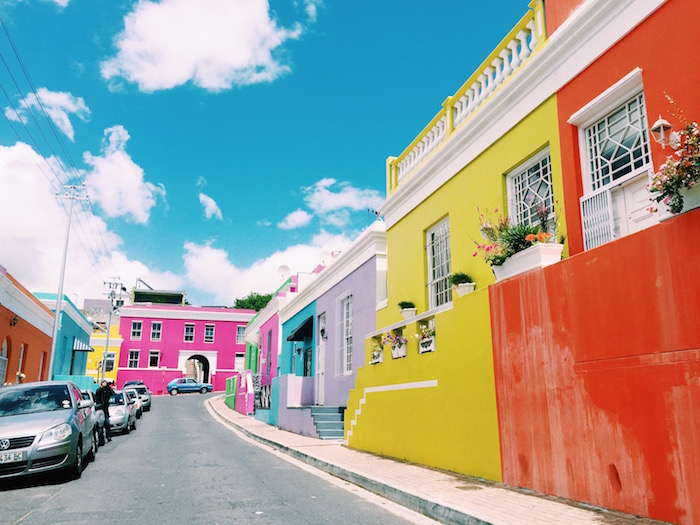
<point>116,399</point>
<point>29,400</point>
<point>142,390</point>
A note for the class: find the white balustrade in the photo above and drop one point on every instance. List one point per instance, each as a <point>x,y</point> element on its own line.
<point>430,141</point>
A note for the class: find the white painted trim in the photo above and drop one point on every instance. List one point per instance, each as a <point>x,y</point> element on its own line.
<point>67,307</point>
<point>593,28</point>
<point>13,299</point>
<point>414,385</point>
<point>187,315</point>
<point>370,243</point>
<point>273,307</point>
<point>624,89</point>
<point>429,313</point>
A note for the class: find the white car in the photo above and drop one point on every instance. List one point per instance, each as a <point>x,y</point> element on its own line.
<point>133,395</point>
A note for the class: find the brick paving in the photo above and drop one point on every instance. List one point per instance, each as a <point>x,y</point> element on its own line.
<point>443,496</point>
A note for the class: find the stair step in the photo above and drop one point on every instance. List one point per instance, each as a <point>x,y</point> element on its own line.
<point>328,417</point>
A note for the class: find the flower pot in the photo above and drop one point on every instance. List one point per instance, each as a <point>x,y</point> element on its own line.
<point>691,200</point>
<point>398,351</point>
<point>377,358</point>
<point>536,256</point>
<point>426,345</point>
<point>464,288</point>
<point>408,312</point>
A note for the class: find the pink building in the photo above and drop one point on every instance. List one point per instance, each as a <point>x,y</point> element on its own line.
<point>163,342</point>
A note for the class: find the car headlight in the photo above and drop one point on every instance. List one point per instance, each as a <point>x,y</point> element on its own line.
<point>55,434</point>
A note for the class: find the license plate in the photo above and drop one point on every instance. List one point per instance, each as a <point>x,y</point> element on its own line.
<point>10,457</point>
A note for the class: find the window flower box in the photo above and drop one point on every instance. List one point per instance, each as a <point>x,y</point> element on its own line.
<point>426,345</point>
<point>377,355</point>
<point>397,343</point>
<point>538,255</point>
<point>398,350</point>
<point>464,288</point>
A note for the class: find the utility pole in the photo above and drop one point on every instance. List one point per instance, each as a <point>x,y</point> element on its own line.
<point>72,193</point>
<point>114,287</point>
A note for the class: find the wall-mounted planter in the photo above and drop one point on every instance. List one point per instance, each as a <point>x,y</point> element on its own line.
<point>536,256</point>
<point>408,313</point>
<point>464,288</point>
<point>377,357</point>
<point>398,351</point>
<point>691,200</point>
<point>426,345</point>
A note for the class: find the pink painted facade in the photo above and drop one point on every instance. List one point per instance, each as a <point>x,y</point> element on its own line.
<point>159,340</point>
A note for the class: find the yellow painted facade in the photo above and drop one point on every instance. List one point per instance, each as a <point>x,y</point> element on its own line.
<point>98,339</point>
<point>439,408</point>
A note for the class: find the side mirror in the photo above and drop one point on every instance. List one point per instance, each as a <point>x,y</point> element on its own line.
<point>132,402</point>
<point>85,403</point>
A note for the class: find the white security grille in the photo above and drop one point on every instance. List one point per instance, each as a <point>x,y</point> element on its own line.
<point>597,218</point>
<point>438,256</point>
<point>346,333</point>
<point>530,190</point>
<point>618,144</point>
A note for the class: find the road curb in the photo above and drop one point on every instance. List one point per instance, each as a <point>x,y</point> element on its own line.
<point>414,502</point>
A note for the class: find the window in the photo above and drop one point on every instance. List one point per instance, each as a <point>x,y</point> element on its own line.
<point>189,333</point>
<point>133,359</point>
<point>3,361</point>
<point>154,359</point>
<point>269,350</point>
<point>110,359</point>
<point>240,335</point>
<point>530,190</point>
<point>209,333</point>
<point>345,332</point>
<point>239,362</point>
<point>437,248</point>
<point>618,144</point>
<point>136,327</point>
<point>156,330</point>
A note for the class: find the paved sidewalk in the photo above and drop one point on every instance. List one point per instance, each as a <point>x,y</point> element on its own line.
<point>445,497</point>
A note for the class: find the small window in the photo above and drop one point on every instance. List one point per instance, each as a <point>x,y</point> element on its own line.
<point>346,335</point>
<point>530,190</point>
<point>133,359</point>
<point>156,329</point>
<point>240,335</point>
<point>109,360</point>
<point>154,359</point>
<point>437,250</point>
<point>209,333</point>
<point>136,327</point>
<point>189,333</point>
<point>239,363</point>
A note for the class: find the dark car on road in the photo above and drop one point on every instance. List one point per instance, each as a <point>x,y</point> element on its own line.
<point>44,427</point>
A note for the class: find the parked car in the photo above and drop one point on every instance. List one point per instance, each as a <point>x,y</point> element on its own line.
<point>98,417</point>
<point>133,395</point>
<point>122,413</point>
<point>133,382</point>
<point>144,395</point>
<point>187,384</point>
<point>45,426</point>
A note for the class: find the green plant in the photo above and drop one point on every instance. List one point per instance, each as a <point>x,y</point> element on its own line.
<point>460,278</point>
<point>392,339</point>
<point>426,332</point>
<point>406,304</point>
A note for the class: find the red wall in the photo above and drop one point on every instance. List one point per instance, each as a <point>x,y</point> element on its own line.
<point>597,365</point>
<point>557,11</point>
<point>665,47</point>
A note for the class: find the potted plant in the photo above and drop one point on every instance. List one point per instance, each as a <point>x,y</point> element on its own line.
<point>377,353</point>
<point>397,342</point>
<point>426,339</point>
<point>408,309</point>
<point>512,249</point>
<point>462,283</point>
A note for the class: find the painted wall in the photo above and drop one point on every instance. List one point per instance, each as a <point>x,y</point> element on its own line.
<point>98,340</point>
<point>598,371</point>
<point>361,284</point>
<point>293,412</point>
<point>272,325</point>
<point>664,61</point>
<point>288,355</point>
<point>557,11</point>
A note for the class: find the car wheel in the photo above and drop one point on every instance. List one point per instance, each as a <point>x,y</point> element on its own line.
<point>203,390</point>
<point>101,436</point>
<point>133,426</point>
<point>127,428</point>
<point>138,415</point>
<point>173,392</point>
<point>95,445</point>
<point>76,470</point>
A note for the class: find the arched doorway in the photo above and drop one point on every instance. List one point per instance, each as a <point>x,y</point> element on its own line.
<point>197,367</point>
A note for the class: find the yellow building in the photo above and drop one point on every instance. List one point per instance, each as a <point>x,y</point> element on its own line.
<point>494,146</point>
<point>98,340</point>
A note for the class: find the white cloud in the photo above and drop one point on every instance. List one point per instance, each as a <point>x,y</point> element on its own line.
<point>296,219</point>
<point>216,44</point>
<point>61,3</point>
<point>211,209</point>
<point>58,105</point>
<point>311,9</point>
<point>210,270</point>
<point>31,243</point>
<point>117,183</point>
<point>333,200</point>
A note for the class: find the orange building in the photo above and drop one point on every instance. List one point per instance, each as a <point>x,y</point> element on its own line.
<point>26,326</point>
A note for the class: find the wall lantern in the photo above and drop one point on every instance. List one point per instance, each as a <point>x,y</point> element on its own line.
<point>663,133</point>
<point>14,321</point>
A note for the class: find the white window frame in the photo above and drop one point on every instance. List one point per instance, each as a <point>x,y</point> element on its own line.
<point>139,331</point>
<point>207,338</point>
<point>160,330</point>
<point>151,354</point>
<point>240,334</point>
<point>110,357</point>
<point>345,341</point>
<point>131,360</point>
<point>439,289</point>
<point>184,335</point>
<point>514,197</point>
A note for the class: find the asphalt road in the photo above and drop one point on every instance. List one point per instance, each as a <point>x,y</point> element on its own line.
<point>181,466</point>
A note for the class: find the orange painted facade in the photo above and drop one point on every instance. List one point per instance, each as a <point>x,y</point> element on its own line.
<point>661,46</point>
<point>597,367</point>
<point>557,11</point>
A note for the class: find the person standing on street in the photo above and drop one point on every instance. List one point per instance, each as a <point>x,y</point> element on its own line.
<point>102,396</point>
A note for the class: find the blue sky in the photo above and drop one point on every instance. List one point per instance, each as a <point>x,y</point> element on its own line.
<point>218,139</point>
